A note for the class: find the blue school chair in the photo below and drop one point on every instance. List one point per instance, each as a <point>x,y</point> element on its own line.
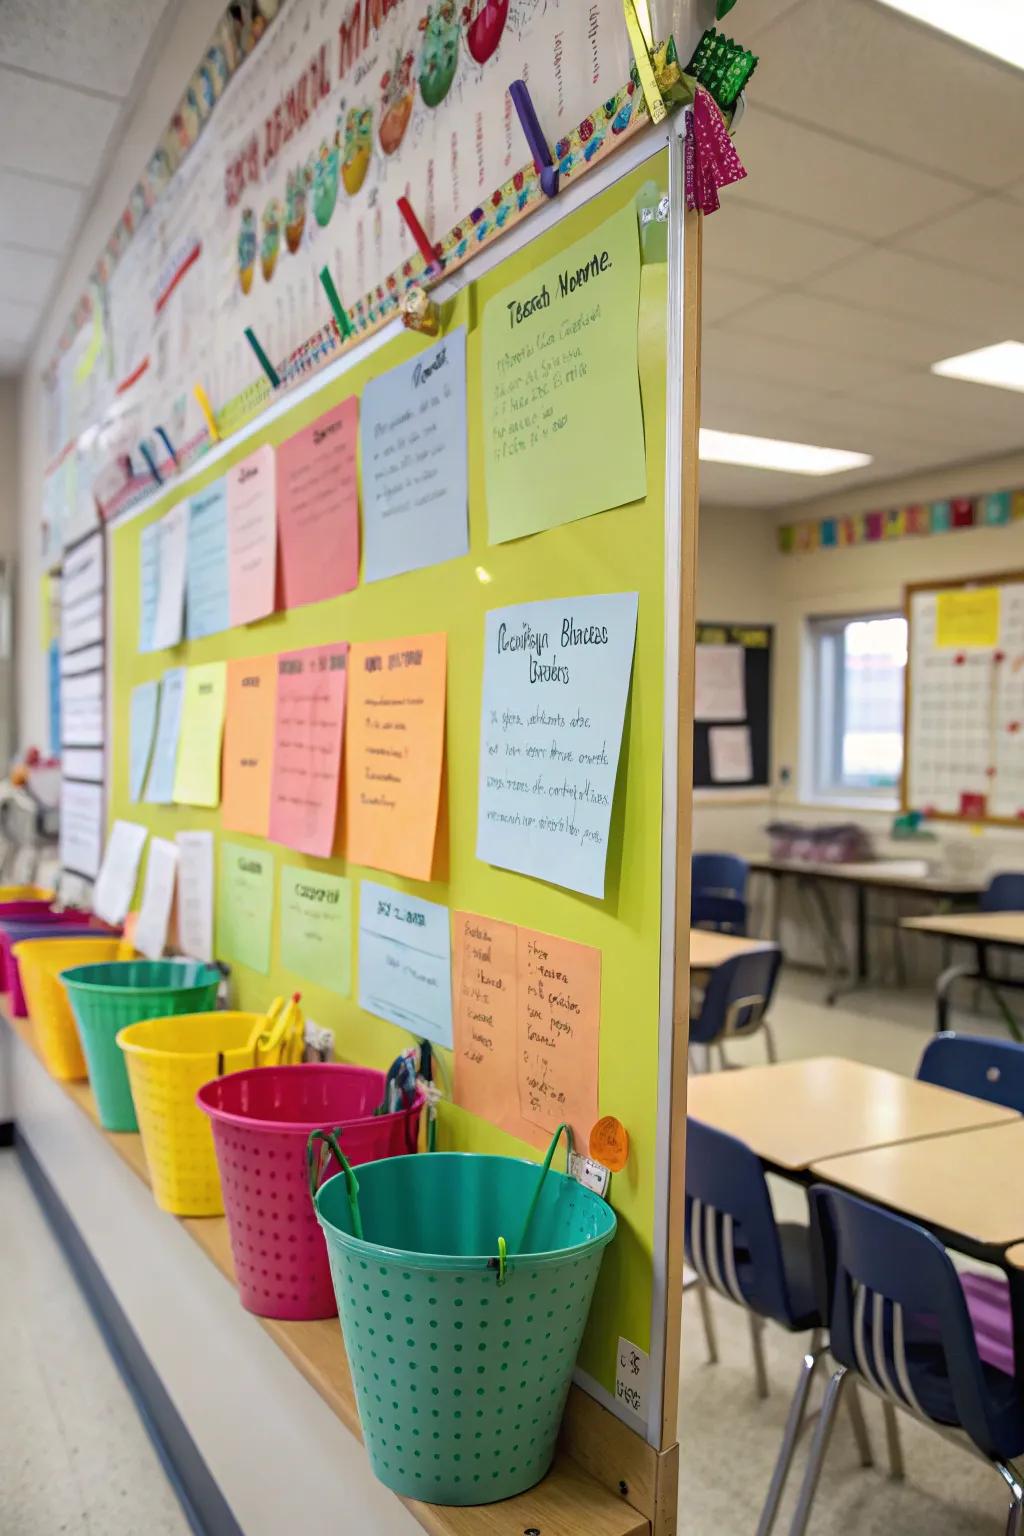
<point>898,1324</point>
<point>718,892</point>
<point>739,1250</point>
<point>736,1001</point>
<point>1004,893</point>
<point>986,1069</point>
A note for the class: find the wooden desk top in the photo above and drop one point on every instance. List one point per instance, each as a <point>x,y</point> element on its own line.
<point>798,1112</point>
<point>1005,928</point>
<point>1014,1256</point>
<point>967,1184</point>
<point>708,949</point>
<point>881,874</point>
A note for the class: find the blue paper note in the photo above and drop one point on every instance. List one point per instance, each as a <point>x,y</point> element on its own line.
<point>55,698</point>
<point>160,784</point>
<point>556,680</point>
<point>149,583</point>
<point>412,431</point>
<point>206,604</point>
<point>405,961</point>
<point>143,719</point>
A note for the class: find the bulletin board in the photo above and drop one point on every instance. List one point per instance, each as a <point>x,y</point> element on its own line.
<point>617,551</point>
<point>741,722</point>
<point>964,703</point>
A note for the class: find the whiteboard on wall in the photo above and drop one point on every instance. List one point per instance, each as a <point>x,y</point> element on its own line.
<point>964,719</point>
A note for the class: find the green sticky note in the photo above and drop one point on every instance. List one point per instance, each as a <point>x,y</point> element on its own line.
<point>563,427</point>
<point>245,906</point>
<point>316,927</point>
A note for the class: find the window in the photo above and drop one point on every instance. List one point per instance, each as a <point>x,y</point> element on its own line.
<point>859,667</point>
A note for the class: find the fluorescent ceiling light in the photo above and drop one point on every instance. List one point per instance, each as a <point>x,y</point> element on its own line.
<point>994,26</point>
<point>1001,365</point>
<point>773,453</point>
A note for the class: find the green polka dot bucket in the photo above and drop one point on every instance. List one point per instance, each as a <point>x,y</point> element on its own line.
<point>463,1285</point>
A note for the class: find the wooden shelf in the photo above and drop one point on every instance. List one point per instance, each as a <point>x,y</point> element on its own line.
<point>568,1501</point>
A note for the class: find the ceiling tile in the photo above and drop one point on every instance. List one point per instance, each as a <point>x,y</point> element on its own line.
<point>17,323</point>
<point>771,247</point>
<point>100,44</point>
<point>813,321</point>
<point>874,76</point>
<point>52,130</point>
<point>986,237</point>
<point>37,214</point>
<point>789,362</point>
<point>729,485</point>
<point>26,276</point>
<point>898,283</point>
<point>723,294</point>
<point>944,401</point>
<point>826,181</point>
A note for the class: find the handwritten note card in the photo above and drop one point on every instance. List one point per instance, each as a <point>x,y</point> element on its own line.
<point>413,432</point>
<point>245,906</point>
<point>563,428</point>
<point>157,898</point>
<point>197,775</point>
<point>252,537</point>
<point>195,894</point>
<point>730,753</point>
<point>149,582</point>
<point>143,722</point>
<point>170,603</point>
<point>720,683</point>
<point>316,927</point>
<point>307,748</point>
<point>249,745</point>
<point>405,961</point>
<point>206,593</point>
<point>115,883</point>
<point>394,753</point>
<point>527,1028</point>
<point>160,783</point>
<point>556,680</point>
<point>967,618</point>
<point>318,508</point>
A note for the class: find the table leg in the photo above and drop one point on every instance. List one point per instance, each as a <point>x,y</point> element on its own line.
<point>861,895</point>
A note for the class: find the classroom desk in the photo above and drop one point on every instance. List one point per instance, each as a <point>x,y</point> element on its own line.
<point>985,931</point>
<point>902,876</point>
<point>709,949</point>
<point>965,1187</point>
<point>796,1113</point>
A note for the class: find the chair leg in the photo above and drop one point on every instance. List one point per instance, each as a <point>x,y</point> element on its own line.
<point>819,1448</point>
<point>710,1337</point>
<point>860,1429</point>
<point>721,1058</point>
<point>769,1042</point>
<point>757,1342</point>
<point>1015,1518</point>
<point>790,1436</point>
<point>897,1471</point>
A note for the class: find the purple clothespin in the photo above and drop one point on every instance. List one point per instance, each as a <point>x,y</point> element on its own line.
<point>544,165</point>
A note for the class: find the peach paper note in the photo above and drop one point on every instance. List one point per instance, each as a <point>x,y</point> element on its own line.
<point>248,745</point>
<point>307,748</point>
<point>252,537</point>
<point>484,966</point>
<point>318,508</point>
<point>394,753</point>
<point>558,1033</point>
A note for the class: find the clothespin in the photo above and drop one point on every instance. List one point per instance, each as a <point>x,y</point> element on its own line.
<point>203,401</point>
<point>419,234</point>
<point>151,463</point>
<point>544,165</point>
<point>419,312</point>
<point>261,357</point>
<point>345,325</point>
<point>162,435</point>
<point>641,37</point>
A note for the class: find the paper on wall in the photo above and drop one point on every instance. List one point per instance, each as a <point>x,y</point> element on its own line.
<point>245,906</point>
<point>206,593</point>
<point>730,754</point>
<point>145,699</point>
<point>405,961</point>
<point>160,782</point>
<point>318,507</point>
<point>720,691</point>
<point>252,537</point>
<point>308,727</point>
<point>170,603</point>
<point>115,884</point>
<point>249,745</point>
<point>197,772</point>
<point>316,927</point>
<point>149,582</point>
<point>157,898</point>
<point>195,894</point>
<point>81,828</point>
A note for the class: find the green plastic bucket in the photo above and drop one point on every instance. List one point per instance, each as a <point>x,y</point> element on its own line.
<point>106,997</point>
<point>461,1358</point>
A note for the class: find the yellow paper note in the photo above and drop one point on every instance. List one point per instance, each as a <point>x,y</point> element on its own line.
<point>968,617</point>
<point>197,773</point>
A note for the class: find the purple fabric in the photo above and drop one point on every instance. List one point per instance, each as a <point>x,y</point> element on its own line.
<point>988,1302</point>
<point>715,162</point>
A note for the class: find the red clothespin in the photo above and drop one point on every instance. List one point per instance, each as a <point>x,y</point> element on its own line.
<point>427,251</point>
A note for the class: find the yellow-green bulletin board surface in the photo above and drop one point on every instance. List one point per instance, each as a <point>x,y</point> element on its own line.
<point>617,551</point>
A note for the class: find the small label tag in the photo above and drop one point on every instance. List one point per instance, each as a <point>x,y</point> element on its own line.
<point>631,1377</point>
<point>591,1174</point>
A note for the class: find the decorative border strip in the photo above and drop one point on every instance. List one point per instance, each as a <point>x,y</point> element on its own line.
<point>919,520</point>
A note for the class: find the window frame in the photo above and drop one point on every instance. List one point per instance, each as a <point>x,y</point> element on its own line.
<point>828,713</point>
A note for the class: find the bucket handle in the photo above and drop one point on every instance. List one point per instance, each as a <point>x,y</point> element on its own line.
<point>543,1175</point>
<point>314,1168</point>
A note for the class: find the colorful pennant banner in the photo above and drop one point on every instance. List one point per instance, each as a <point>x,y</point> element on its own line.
<point>916,521</point>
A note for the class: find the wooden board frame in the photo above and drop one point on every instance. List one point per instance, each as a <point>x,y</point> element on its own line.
<point>910,591</point>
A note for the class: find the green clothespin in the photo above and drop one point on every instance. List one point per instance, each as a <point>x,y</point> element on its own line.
<point>345,325</point>
<point>261,357</point>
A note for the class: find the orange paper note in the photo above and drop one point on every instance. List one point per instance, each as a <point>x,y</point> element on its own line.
<point>394,753</point>
<point>307,748</point>
<point>248,745</point>
<point>318,508</point>
<point>527,1012</point>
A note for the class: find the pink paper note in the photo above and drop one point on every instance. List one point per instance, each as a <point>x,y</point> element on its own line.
<point>252,537</point>
<point>308,726</point>
<point>318,508</point>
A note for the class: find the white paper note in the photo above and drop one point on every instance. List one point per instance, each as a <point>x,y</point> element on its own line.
<point>170,603</point>
<point>115,884</point>
<point>81,704</point>
<point>81,828</point>
<point>731,760</point>
<point>157,898</point>
<point>721,686</point>
<point>195,894</point>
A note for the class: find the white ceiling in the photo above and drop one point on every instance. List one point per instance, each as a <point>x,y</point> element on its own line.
<point>68,69</point>
<point>880,228</point>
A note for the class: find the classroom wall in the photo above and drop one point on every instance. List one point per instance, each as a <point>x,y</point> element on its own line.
<point>8,466</point>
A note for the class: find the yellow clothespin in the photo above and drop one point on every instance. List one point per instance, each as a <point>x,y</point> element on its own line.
<point>207,409</point>
<point>641,38</point>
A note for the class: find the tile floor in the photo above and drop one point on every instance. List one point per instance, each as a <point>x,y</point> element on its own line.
<point>74,1456</point>
<point>729,1439</point>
